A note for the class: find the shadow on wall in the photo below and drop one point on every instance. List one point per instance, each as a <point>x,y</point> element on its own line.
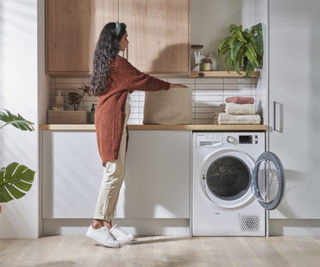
<point>173,58</point>
<point>1,71</point>
<point>293,188</point>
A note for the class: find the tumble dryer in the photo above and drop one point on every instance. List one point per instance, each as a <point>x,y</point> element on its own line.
<point>234,182</point>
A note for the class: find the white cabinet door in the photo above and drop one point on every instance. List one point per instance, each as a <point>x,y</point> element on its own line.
<point>156,183</point>
<point>294,87</point>
<point>71,174</point>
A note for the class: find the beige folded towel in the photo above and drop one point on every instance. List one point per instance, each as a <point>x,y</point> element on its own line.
<point>222,108</point>
<point>225,118</point>
<point>240,109</point>
<point>215,118</point>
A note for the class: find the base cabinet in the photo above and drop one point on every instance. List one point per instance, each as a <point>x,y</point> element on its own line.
<point>156,183</point>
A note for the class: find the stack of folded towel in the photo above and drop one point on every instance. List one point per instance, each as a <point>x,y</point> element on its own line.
<point>237,110</point>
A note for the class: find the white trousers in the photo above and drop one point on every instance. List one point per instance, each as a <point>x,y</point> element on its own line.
<point>113,174</point>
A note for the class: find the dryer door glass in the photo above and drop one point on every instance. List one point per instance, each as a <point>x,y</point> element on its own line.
<point>228,178</point>
<point>268,180</point>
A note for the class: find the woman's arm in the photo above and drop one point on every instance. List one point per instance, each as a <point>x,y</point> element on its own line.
<point>178,85</point>
<point>137,80</point>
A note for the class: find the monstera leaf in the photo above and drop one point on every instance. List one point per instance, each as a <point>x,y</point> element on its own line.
<point>16,120</point>
<point>15,181</point>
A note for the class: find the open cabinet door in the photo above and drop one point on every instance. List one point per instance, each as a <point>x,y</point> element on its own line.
<point>268,180</point>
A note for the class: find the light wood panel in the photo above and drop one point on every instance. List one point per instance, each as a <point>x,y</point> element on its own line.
<point>198,127</point>
<point>72,30</point>
<point>159,34</point>
<point>155,251</point>
<point>223,74</point>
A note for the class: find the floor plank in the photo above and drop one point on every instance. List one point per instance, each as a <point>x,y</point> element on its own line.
<point>162,251</point>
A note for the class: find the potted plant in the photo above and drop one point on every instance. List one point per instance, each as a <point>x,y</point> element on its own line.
<point>15,179</point>
<point>75,99</point>
<point>243,47</point>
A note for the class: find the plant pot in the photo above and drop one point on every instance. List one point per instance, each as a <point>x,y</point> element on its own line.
<point>245,64</point>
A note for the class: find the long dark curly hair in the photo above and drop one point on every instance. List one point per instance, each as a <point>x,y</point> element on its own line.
<point>106,50</point>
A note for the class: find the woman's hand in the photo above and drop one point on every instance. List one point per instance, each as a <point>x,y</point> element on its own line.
<point>178,85</point>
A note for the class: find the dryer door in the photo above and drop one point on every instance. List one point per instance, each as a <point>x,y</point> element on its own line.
<point>268,180</point>
<point>225,178</point>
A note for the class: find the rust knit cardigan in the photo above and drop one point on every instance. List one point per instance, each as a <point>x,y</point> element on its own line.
<point>109,116</point>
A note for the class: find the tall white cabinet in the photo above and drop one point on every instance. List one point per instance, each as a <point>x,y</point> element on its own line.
<point>294,104</point>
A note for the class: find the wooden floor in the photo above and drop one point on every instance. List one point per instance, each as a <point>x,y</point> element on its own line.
<point>162,251</point>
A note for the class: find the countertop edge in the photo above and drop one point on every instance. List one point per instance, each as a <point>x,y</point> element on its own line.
<point>199,127</point>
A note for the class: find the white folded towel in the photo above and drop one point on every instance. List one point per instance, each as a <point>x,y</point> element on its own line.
<point>240,109</point>
<point>225,118</point>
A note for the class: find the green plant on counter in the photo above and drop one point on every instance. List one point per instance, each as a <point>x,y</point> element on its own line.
<point>75,99</point>
<point>15,179</point>
<point>244,46</point>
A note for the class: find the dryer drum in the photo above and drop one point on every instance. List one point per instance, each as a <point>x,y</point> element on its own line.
<point>228,178</point>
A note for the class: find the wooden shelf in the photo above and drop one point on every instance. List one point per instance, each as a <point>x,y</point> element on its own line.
<point>205,127</point>
<point>223,74</point>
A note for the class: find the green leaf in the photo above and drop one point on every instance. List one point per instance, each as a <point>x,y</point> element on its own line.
<point>15,181</point>
<point>222,43</point>
<point>223,52</point>
<point>250,69</point>
<point>235,48</point>
<point>16,120</point>
<point>252,55</point>
<point>225,62</point>
<point>239,36</point>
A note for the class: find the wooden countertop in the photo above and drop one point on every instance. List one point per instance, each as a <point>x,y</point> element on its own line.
<point>205,127</point>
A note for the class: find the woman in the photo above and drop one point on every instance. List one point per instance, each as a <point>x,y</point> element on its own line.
<point>113,78</point>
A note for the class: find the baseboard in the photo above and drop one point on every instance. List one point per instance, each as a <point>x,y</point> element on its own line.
<point>281,227</point>
<point>176,227</point>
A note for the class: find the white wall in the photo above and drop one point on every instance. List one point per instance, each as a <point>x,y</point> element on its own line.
<point>261,16</point>
<point>18,93</point>
<point>210,20</point>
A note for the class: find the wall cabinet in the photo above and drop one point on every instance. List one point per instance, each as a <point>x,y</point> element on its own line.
<point>72,30</point>
<point>155,186</point>
<point>159,33</point>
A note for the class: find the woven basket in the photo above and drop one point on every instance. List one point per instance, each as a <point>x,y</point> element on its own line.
<point>67,117</point>
<point>168,107</point>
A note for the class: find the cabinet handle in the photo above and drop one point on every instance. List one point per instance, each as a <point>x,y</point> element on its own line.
<point>274,115</point>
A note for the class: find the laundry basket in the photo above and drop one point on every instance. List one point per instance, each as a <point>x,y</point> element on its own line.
<point>168,107</point>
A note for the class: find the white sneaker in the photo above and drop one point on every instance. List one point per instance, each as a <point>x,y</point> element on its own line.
<point>121,235</point>
<point>103,236</point>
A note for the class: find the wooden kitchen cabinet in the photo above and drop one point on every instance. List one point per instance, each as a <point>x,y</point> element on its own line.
<point>72,30</point>
<point>159,34</point>
<point>156,183</point>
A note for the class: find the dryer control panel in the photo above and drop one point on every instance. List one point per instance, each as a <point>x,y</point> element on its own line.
<point>209,140</point>
<point>229,139</point>
<point>239,139</point>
